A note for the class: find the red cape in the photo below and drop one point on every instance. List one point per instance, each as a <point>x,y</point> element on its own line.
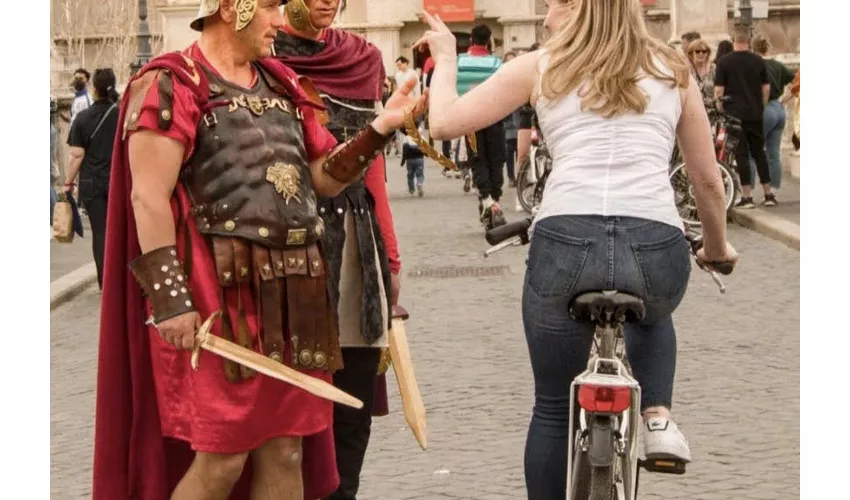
<point>349,66</point>
<point>131,458</point>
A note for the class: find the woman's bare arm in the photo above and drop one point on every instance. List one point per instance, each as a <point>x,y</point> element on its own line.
<point>500,95</point>
<point>694,134</point>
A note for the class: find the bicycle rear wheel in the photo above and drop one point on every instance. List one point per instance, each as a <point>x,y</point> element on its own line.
<point>602,484</point>
<point>525,187</point>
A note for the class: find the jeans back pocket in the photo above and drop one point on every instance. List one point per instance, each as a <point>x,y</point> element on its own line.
<point>665,267</point>
<point>555,262</point>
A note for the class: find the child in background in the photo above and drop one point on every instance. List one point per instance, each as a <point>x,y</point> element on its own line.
<point>415,160</point>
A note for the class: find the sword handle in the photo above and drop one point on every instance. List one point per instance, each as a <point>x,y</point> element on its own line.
<point>201,337</point>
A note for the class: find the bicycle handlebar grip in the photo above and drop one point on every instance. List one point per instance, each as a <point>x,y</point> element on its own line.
<point>722,267</point>
<point>501,233</point>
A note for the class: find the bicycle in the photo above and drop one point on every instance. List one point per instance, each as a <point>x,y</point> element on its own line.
<point>726,131</point>
<point>604,462</point>
<point>532,174</point>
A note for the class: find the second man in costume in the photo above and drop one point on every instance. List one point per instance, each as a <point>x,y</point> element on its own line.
<point>359,238</point>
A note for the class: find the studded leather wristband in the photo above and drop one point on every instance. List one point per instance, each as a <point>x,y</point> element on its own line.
<point>351,161</point>
<point>161,276</point>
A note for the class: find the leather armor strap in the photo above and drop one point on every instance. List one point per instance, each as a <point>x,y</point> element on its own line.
<point>161,276</point>
<point>271,312</point>
<point>232,261</point>
<point>351,161</point>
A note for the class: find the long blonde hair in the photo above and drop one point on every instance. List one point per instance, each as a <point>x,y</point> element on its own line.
<point>601,49</point>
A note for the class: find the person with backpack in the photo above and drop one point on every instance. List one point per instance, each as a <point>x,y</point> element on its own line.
<point>487,154</point>
<point>90,138</point>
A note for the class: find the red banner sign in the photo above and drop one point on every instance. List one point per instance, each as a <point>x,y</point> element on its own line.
<point>452,11</point>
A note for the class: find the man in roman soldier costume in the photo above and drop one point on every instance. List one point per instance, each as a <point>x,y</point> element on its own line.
<point>216,173</point>
<point>359,239</point>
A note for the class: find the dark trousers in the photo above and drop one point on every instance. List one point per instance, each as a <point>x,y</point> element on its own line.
<point>510,158</point>
<point>96,210</point>
<point>352,427</point>
<point>487,162</point>
<point>752,142</point>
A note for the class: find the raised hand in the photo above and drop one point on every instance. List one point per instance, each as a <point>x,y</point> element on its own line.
<point>439,39</point>
<point>401,102</point>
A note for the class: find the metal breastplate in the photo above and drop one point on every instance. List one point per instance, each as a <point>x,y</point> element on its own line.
<point>249,176</point>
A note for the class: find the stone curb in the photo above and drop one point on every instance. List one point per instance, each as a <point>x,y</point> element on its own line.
<point>72,284</point>
<point>771,226</point>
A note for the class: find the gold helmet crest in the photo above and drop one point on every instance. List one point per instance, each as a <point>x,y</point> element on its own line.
<point>245,10</point>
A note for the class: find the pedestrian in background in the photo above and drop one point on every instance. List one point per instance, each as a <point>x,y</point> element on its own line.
<point>742,76</point>
<point>389,89</point>
<point>461,156</point>
<point>91,138</point>
<point>775,115</point>
<point>511,125</point>
<point>795,92</point>
<point>413,157</point>
<point>725,47</point>
<point>687,39</point>
<point>54,163</point>
<point>82,99</point>
<point>699,55</point>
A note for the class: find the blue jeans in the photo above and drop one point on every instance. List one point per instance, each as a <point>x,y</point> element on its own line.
<point>53,200</point>
<point>570,255</point>
<point>415,169</point>
<point>775,117</point>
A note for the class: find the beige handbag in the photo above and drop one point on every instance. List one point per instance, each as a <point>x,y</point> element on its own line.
<point>63,220</point>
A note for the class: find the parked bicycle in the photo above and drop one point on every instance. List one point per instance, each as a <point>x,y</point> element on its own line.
<point>532,174</point>
<point>604,461</point>
<point>726,130</point>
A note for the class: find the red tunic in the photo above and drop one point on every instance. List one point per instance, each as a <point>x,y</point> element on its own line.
<point>151,406</point>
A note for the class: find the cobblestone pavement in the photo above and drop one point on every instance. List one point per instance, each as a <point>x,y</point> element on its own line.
<point>68,257</point>
<point>736,394</point>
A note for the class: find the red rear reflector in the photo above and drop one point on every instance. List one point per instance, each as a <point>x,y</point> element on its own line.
<point>604,398</point>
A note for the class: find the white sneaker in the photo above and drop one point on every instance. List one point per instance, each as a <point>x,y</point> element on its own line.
<point>662,439</point>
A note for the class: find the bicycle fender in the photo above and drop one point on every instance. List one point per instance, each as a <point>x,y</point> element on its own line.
<point>601,452</point>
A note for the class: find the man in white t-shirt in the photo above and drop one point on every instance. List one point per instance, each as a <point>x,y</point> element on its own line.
<point>404,73</point>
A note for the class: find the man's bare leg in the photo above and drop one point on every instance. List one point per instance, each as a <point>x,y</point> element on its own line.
<point>210,477</point>
<point>277,470</point>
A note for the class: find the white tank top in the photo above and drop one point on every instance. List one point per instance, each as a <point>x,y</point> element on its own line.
<point>612,167</point>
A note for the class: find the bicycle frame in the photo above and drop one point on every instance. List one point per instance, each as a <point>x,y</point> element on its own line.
<point>607,368</point>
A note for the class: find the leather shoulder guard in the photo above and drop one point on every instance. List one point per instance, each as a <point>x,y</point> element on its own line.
<point>137,91</point>
<point>162,70</point>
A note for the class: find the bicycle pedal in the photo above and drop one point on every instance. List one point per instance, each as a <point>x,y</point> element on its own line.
<point>663,465</point>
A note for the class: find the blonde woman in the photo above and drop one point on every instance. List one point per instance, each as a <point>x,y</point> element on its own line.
<point>611,100</point>
<point>699,55</point>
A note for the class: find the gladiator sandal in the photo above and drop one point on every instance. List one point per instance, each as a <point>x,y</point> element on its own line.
<point>161,276</point>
